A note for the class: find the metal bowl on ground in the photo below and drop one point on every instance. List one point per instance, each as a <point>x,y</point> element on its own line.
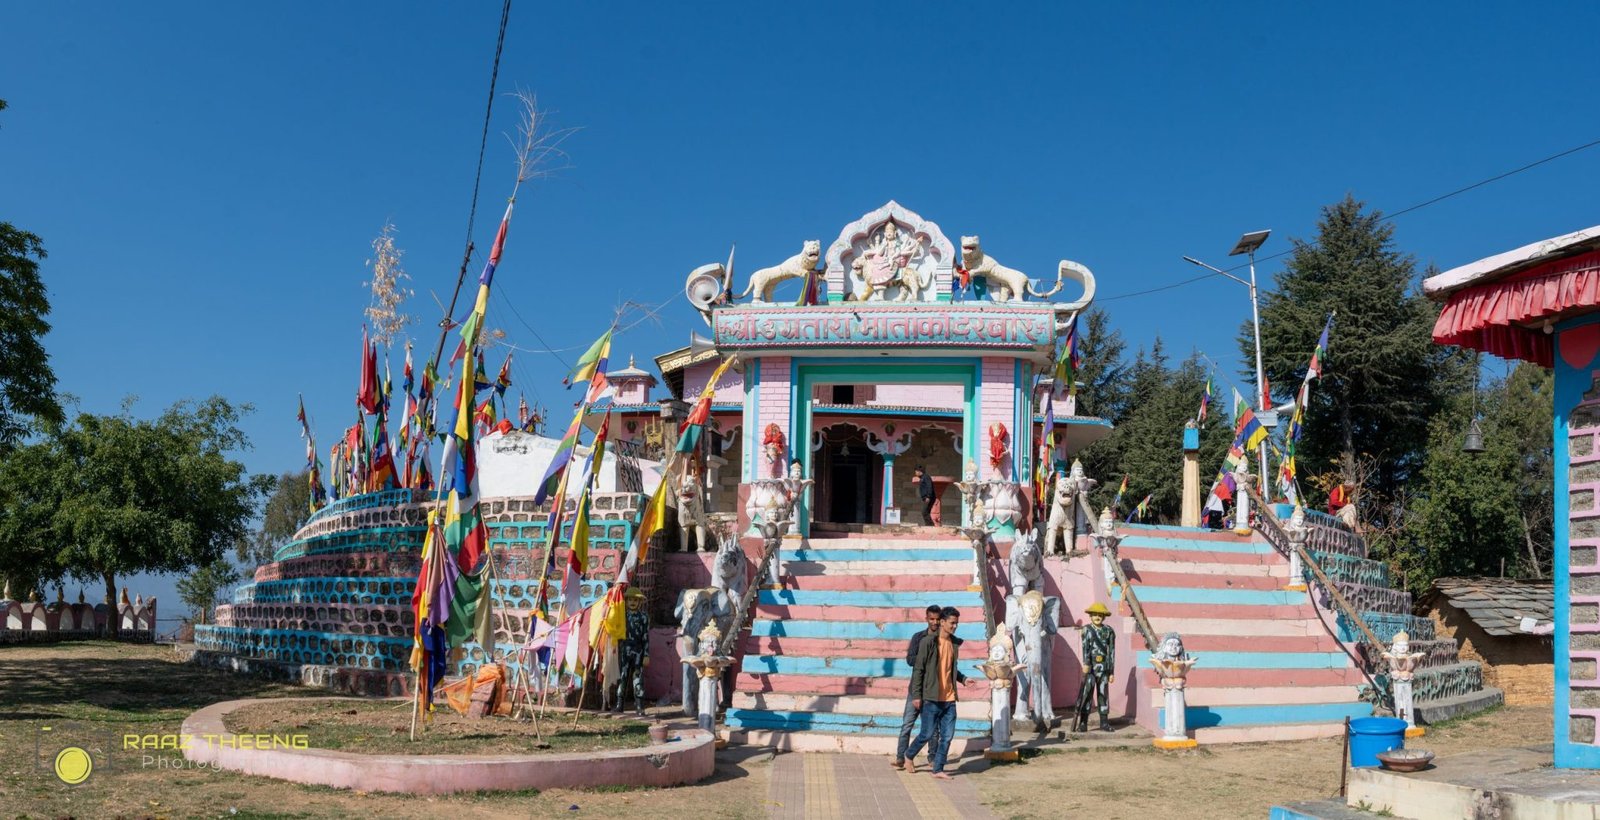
<point>1405,760</point>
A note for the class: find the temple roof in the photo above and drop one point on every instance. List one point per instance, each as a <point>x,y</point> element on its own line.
<point>1505,264</point>
<point>1498,605</point>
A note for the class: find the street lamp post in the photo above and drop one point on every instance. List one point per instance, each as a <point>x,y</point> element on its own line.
<point>1248,244</point>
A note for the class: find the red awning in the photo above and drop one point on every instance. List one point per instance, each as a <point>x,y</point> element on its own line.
<point>1494,317</point>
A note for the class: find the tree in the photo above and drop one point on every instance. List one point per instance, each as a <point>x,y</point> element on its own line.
<point>202,590</point>
<point>27,384</point>
<point>287,508</point>
<point>1384,378</point>
<point>29,498</point>
<point>159,495</point>
<point>1148,440</point>
<point>1484,513</point>
<point>1103,379</point>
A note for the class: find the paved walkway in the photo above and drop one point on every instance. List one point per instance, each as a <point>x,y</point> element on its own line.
<point>838,786</point>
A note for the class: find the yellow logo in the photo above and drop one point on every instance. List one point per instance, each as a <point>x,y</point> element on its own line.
<point>73,765</point>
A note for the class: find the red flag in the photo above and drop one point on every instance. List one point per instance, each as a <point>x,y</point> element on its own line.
<point>367,398</point>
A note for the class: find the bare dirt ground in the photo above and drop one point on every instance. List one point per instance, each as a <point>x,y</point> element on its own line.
<point>1241,780</point>
<point>91,693</point>
<point>384,727</point>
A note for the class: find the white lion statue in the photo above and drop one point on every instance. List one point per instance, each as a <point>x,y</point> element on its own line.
<point>763,281</point>
<point>1027,565</point>
<point>1005,284</point>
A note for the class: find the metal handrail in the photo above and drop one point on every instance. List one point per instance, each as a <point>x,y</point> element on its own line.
<point>772,539</point>
<point>1271,527</point>
<point>981,557</point>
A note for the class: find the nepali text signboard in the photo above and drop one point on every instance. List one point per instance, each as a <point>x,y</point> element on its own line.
<point>990,327</point>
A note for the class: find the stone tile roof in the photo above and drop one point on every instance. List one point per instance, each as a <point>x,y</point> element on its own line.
<point>1498,605</point>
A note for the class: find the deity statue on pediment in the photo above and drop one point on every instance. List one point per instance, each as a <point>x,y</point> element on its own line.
<point>890,260</point>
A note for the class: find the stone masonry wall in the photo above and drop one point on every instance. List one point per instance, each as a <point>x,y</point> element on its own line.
<point>1584,576</point>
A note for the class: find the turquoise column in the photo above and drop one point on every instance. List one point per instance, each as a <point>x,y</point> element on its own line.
<point>888,487</point>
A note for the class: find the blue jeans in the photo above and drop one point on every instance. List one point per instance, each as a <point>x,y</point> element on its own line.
<point>908,725</point>
<point>938,725</point>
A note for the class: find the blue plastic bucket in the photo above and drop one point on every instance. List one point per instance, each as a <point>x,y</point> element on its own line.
<point>1371,735</point>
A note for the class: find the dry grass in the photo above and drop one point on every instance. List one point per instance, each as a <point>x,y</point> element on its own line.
<point>382,727</point>
<point>93,692</point>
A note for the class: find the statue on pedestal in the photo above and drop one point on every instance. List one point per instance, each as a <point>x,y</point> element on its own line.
<point>1067,518</point>
<point>1001,670</point>
<point>1402,669</point>
<point>1172,665</point>
<point>708,666</point>
<point>1099,668</point>
<point>1032,621</point>
<point>1027,566</point>
<point>691,513</point>
<point>696,610</point>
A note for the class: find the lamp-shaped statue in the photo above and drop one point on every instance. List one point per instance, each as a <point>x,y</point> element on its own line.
<point>1402,667</point>
<point>1172,665</point>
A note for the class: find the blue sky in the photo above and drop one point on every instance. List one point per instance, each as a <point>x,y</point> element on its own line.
<point>208,178</point>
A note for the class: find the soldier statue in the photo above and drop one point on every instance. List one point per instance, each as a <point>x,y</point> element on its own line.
<point>1099,668</point>
<point>633,652</point>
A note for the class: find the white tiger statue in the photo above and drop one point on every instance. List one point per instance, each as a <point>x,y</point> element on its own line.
<point>763,281</point>
<point>1005,283</point>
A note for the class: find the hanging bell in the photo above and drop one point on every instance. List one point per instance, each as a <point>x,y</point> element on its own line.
<point>1474,440</point>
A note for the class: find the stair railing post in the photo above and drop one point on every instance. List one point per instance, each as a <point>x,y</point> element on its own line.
<point>1107,540</point>
<point>1297,545</point>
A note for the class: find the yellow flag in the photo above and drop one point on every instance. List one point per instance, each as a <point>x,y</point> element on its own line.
<point>655,516</point>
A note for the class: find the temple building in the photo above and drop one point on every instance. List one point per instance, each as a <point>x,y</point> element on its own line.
<point>859,359</point>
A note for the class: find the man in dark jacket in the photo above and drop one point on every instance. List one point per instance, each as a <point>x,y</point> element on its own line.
<point>934,678</point>
<point>908,721</point>
<point>924,484</point>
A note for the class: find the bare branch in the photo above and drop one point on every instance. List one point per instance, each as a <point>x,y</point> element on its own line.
<point>387,293</point>
<point>538,148</point>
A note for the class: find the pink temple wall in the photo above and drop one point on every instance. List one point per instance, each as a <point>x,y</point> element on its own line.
<point>997,403</point>
<point>942,396</point>
<point>773,408</point>
<point>635,391</point>
<point>730,388</point>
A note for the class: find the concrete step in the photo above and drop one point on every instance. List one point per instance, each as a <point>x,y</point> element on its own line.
<point>802,721</point>
<point>1259,695</point>
<point>1187,626</point>
<point>844,743</point>
<point>1140,555</point>
<point>887,582</point>
<point>1215,678</point>
<point>1197,644</point>
<point>916,554</point>
<point>1189,611</point>
<point>883,542</point>
<point>1141,576</point>
<point>840,666</point>
<point>1433,711</point>
<point>1331,809</point>
<point>1244,598</point>
<point>845,704</point>
<point>1265,660</point>
<point>1242,546</point>
<point>1251,569</point>
<point>919,599</point>
<point>968,631</point>
<point>973,690</point>
<point>839,612</point>
<point>879,569</point>
<point>1272,733</point>
<point>1274,714</point>
<point>851,648</point>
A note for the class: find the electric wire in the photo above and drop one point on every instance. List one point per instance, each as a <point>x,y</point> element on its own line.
<point>1386,218</point>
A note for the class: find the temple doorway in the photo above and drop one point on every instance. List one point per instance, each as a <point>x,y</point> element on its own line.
<point>849,478</point>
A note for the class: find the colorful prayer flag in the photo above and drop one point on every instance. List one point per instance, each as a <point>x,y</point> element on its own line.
<point>1314,370</point>
<point>1205,400</point>
<point>1071,358</point>
<point>593,360</point>
<point>689,433</point>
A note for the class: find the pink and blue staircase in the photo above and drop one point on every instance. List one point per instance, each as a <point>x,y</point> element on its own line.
<point>824,666</point>
<point>1273,663</point>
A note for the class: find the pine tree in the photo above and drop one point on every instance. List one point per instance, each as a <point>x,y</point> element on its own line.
<point>1384,378</point>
